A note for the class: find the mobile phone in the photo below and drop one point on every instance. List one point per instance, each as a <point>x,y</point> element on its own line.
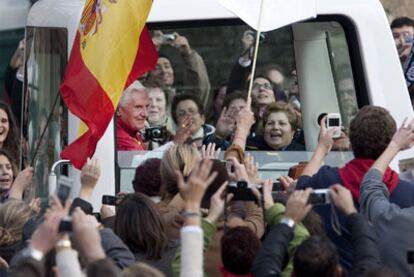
<point>65,225</point>
<point>334,121</point>
<point>63,188</point>
<point>109,200</point>
<point>319,197</point>
<point>241,191</point>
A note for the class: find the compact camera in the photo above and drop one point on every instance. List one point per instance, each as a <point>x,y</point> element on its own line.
<point>241,191</point>
<point>319,197</point>
<point>334,121</point>
<point>65,225</point>
<point>168,38</point>
<point>157,134</point>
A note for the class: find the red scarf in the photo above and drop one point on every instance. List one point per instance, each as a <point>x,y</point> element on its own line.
<point>353,173</point>
<point>225,273</point>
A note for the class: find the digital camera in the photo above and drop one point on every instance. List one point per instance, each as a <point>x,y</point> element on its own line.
<point>168,38</point>
<point>156,134</point>
<point>241,191</point>
<point>319,197</point>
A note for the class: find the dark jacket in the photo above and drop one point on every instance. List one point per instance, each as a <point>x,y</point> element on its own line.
<point>403,196</point>
<point>271,256</point>
<point>115,249</point>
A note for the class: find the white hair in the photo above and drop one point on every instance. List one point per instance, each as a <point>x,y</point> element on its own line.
<point>136,86</point>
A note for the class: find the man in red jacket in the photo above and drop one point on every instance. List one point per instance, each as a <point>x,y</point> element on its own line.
<point>131,114</point>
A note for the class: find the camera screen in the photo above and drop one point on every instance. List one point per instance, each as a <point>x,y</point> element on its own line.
<point>333,122</point>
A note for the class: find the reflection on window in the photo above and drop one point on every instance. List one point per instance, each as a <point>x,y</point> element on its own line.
<point>43,108</point>
<point>205,68</point>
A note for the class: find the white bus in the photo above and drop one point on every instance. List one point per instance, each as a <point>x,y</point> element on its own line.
<point>347,49</point>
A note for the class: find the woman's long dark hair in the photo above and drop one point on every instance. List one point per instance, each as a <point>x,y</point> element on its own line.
<point>12,143</point>
<point>139,224</point>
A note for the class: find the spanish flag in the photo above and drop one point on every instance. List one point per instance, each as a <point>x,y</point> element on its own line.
<point>112,48</point>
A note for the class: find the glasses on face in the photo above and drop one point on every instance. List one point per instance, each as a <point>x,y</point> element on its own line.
<point>257,86</point>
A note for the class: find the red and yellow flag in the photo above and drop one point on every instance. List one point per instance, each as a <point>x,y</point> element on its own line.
<point>112,48</point>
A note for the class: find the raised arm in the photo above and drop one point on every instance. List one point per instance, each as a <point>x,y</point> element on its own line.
<point>323,148</point>
<point>403,139</point>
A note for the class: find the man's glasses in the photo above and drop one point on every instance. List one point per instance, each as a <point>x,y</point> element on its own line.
<point>257,86</point>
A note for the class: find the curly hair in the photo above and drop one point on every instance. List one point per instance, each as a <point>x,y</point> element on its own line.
<point>13,215</point>
<point>148,184</point>
<point>371,131</point>
<point>239,247</point>
<point>281,107</point>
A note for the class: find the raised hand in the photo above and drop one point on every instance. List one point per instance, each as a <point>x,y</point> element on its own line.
<point>86,236</point>
<point>326,140</point>
<point>267,194</point>
<point>23,180</point>
<point>240,172</point>
<point>89,177</point>
<point>297,206</point>
<point>288,184</point>
<point>182,45</point>
<point>252,169</point>
<point>404,136</point>
<point>226,123</point>
<point>184,130</point>
<point>217,203</point>
<point>193,189</point>
<point>210,152</point>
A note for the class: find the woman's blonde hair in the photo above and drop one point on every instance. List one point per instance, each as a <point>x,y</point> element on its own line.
<point>13,215</point>
<point>179,157</point>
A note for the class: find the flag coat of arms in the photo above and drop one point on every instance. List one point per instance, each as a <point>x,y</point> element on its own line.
<point>112,48</point>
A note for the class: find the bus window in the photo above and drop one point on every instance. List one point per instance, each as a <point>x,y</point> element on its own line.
<point>44,115</point>
<point>306,65</point>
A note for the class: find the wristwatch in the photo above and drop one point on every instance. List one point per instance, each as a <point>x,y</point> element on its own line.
<point>30,252</point>
<point>288,221</point>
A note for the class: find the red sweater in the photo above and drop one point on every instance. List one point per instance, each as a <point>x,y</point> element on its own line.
<point>127,139</point>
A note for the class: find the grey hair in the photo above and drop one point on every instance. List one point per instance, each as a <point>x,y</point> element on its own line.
<point>126,95</point>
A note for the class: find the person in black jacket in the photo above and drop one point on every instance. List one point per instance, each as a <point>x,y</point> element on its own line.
<point>317,256</point>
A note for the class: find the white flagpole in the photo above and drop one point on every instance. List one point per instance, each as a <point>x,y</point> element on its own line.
<point>256,50</point>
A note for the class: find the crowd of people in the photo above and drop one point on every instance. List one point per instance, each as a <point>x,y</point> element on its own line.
<point>192,214</point>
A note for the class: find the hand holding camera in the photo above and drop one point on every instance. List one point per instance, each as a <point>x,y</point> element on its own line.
<point>341,197</point>
<point>327,134</point>
<point>217,203</point>
<point>298,206</point>
<point>46,235</point>
<point>182,45</point>
<point>86,236</point>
